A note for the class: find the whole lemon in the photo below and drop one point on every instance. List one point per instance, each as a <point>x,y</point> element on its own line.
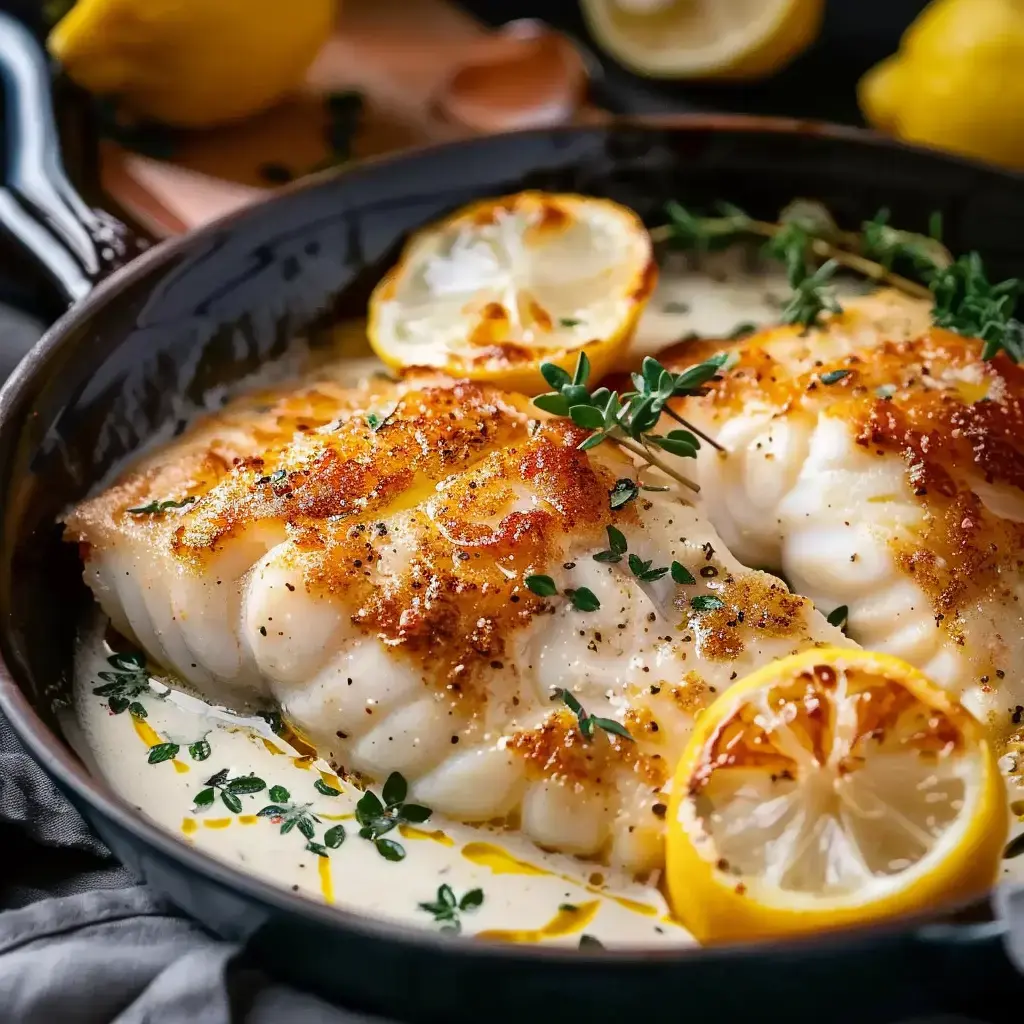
<point>191,63</point>
<point>957,81</point>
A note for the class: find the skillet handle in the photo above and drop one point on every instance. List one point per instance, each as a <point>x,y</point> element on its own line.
<point>74,244</point>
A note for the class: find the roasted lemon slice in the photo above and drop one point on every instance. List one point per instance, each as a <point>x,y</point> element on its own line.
<point>704,38</point>
<point>829,789</point>
<point>506,284</point>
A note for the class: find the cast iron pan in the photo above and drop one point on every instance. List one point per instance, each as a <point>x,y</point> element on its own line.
<point>150,343</point>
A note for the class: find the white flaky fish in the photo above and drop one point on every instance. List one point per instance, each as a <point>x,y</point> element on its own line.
<point>877,463</point>
<point>364,558</point>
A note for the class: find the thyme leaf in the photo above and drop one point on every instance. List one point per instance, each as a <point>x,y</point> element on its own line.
<point>159,507</point>
<point>446,907</point>
<point>583,599</point>
<point>542,586</point>
<point>588,722</point>
<point>838,616</point>
<point>622,494</point>
<point>161,752</point>
<point>682,575</point>
<point>833,376</point>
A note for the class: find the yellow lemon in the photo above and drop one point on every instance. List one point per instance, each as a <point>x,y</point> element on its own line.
<point>704,38</point>
<point>832,788</point>
<point>506,284</point>
<point>191,62</point>
<point>956,81</point>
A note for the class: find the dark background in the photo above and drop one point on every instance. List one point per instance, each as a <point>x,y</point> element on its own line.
<point>819,84</point>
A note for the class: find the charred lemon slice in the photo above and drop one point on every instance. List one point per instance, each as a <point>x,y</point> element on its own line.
<point>829,789</point>
<point>506,284</point>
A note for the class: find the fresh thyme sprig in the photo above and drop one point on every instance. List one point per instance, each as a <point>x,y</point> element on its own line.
<point>963,298</point>
<point>447,908</point>
<point>587,722</point>
<point>628,420</point>
<point>378,815</point>
<point>966,302</point>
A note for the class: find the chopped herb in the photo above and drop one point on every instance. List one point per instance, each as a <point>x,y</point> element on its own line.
<point>376,421</point>
<point>834,376</point>
<point>446,907</point>
<point>276,477</point>
<point>320,851</point>
<point>622,493</point>
<point>321,787</point>
<point>122,687</point>
<point>588,722</point>
<point>389,849</point>
<point>279,795</point>
<point>163,752</point>
<point>569,321</point>
<point>643,571</point>
<point>542,586</point>
<point>838,616</point>
<point>706,603</point>
<point>334,837</point>
<point>289,816</point>
<point>616,547</point>
<point>583,599</point>
<point>230,790</point>
<point>377,817</point>
<point>245,785</point>
<point>200,750</point>
<point>570,907</point>
<point>682,575</point>
<point>204,798</point>
<point>158,507</point>
<point>589,942</point>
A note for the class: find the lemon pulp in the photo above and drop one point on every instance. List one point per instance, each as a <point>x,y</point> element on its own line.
<point>503,285</point>
<point>829,789</point>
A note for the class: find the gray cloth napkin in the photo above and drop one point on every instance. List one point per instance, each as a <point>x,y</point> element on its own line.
<point>82,943</point>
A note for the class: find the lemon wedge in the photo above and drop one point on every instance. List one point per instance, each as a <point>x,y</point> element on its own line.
<point>704,38</point>
<point>955,82</point>
<point>832,788</point>
<point>191,63</point>
<point>506,284</point>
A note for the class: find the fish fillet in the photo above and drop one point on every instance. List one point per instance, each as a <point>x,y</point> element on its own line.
<point>878,463</point>
<point>359,556</point>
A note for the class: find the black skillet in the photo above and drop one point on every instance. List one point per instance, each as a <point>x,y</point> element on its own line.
<point>151,342</point>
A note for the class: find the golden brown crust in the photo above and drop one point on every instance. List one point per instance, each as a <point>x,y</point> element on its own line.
<point>481,495</point>
<point>953,418</point>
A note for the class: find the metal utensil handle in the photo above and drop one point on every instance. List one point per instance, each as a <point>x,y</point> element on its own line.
<point>76,245</point>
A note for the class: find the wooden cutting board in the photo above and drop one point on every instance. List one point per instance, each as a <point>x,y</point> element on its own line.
<point>397,53</point>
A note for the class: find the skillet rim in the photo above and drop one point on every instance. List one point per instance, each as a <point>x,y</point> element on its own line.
<point>58,760</point>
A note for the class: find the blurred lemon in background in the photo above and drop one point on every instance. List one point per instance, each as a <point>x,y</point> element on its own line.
<point>957,81</point>
<point>725,39</point>
<point>191,63</point>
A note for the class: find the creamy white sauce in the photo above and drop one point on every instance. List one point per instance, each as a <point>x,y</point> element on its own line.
<point>527,895</point>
